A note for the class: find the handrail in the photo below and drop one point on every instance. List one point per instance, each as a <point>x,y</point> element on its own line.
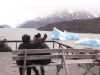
<point>12,41</point>
<point>16,41</point>
<point>63,44</point>
<point>19,41</point>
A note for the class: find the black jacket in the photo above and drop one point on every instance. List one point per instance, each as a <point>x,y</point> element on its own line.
<point>43,61</point>
<point>36,45</point>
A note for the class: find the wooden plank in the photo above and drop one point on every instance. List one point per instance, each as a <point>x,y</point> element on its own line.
<point>64,63</point>
<point>30,51</point>
<point>82,50</point>
<point>82,56</point>
<point>25,55</point>
<point>37,57</point>
<point>80,61</point>
<point>35,51</point>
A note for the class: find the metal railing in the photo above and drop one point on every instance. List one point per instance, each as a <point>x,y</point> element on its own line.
<point>53,43</point>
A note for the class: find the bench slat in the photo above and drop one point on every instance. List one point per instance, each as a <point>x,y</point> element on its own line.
<point>80,61</point>
<point>38,57</point>
<point>30,51</point>
<point>35,51</point>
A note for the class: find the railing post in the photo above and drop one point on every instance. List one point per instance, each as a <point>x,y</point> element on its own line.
<point>53,44</point>
<point>16,45</point>
<point>59,46</point>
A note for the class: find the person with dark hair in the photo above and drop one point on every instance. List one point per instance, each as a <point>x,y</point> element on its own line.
<point>44,61</point>
<point>36,36</point>
<point>27,45</point>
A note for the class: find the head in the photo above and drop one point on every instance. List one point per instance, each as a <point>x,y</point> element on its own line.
<point>38,35</point>
<point>26,38</point>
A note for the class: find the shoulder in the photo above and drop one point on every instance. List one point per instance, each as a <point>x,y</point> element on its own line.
<point>20,46</point>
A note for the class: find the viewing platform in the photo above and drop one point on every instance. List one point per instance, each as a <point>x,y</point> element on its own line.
<point>7,66</point>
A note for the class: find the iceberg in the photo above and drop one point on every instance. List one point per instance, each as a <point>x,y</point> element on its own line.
<point>71,36</point>
<point>59,35</point>
<point>86,41</point>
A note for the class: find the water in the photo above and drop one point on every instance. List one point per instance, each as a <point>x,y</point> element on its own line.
<point>16,34</point>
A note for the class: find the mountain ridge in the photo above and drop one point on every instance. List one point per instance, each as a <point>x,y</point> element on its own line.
<point>56,17</point>
<point>5,26</point>
<point>78,26</point>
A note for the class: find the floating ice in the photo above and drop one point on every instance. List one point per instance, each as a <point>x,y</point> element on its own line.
<point>71,36</point>
<point>86,41</point>
<point>59,35</point>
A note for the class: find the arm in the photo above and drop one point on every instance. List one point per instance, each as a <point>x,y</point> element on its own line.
<point>41,40</point>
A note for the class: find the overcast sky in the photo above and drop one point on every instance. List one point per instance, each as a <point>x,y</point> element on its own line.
<point>14,12</point>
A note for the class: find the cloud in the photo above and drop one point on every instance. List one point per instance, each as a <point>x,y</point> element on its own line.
<point>14,12</point>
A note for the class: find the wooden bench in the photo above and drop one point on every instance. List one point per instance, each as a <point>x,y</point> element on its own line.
<point>89,57</point>
<point>54,55</point>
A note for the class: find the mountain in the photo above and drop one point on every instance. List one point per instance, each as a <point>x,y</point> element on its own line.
<point>78,26</point>
<point>56,17</point>
<point>5,26</point>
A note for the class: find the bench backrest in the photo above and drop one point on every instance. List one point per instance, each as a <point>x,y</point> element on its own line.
<point>55,54</point>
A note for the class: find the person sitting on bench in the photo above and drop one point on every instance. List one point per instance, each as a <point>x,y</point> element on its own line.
<point>44,61</point>
<point>27,45</point>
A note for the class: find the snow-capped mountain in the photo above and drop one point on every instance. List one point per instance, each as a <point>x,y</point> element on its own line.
<point>57,17</point>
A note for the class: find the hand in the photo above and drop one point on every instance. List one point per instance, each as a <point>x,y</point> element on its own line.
<point>45,36</point>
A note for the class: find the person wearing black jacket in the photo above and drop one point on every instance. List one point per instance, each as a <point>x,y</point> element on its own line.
<point>42,46</point>
<point>27,45</point>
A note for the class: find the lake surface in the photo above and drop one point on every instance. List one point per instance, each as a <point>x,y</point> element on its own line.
<point>16,34</point>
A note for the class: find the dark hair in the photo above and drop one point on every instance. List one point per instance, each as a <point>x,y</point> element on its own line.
<point>38,35</point>
<point>26,38</point>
